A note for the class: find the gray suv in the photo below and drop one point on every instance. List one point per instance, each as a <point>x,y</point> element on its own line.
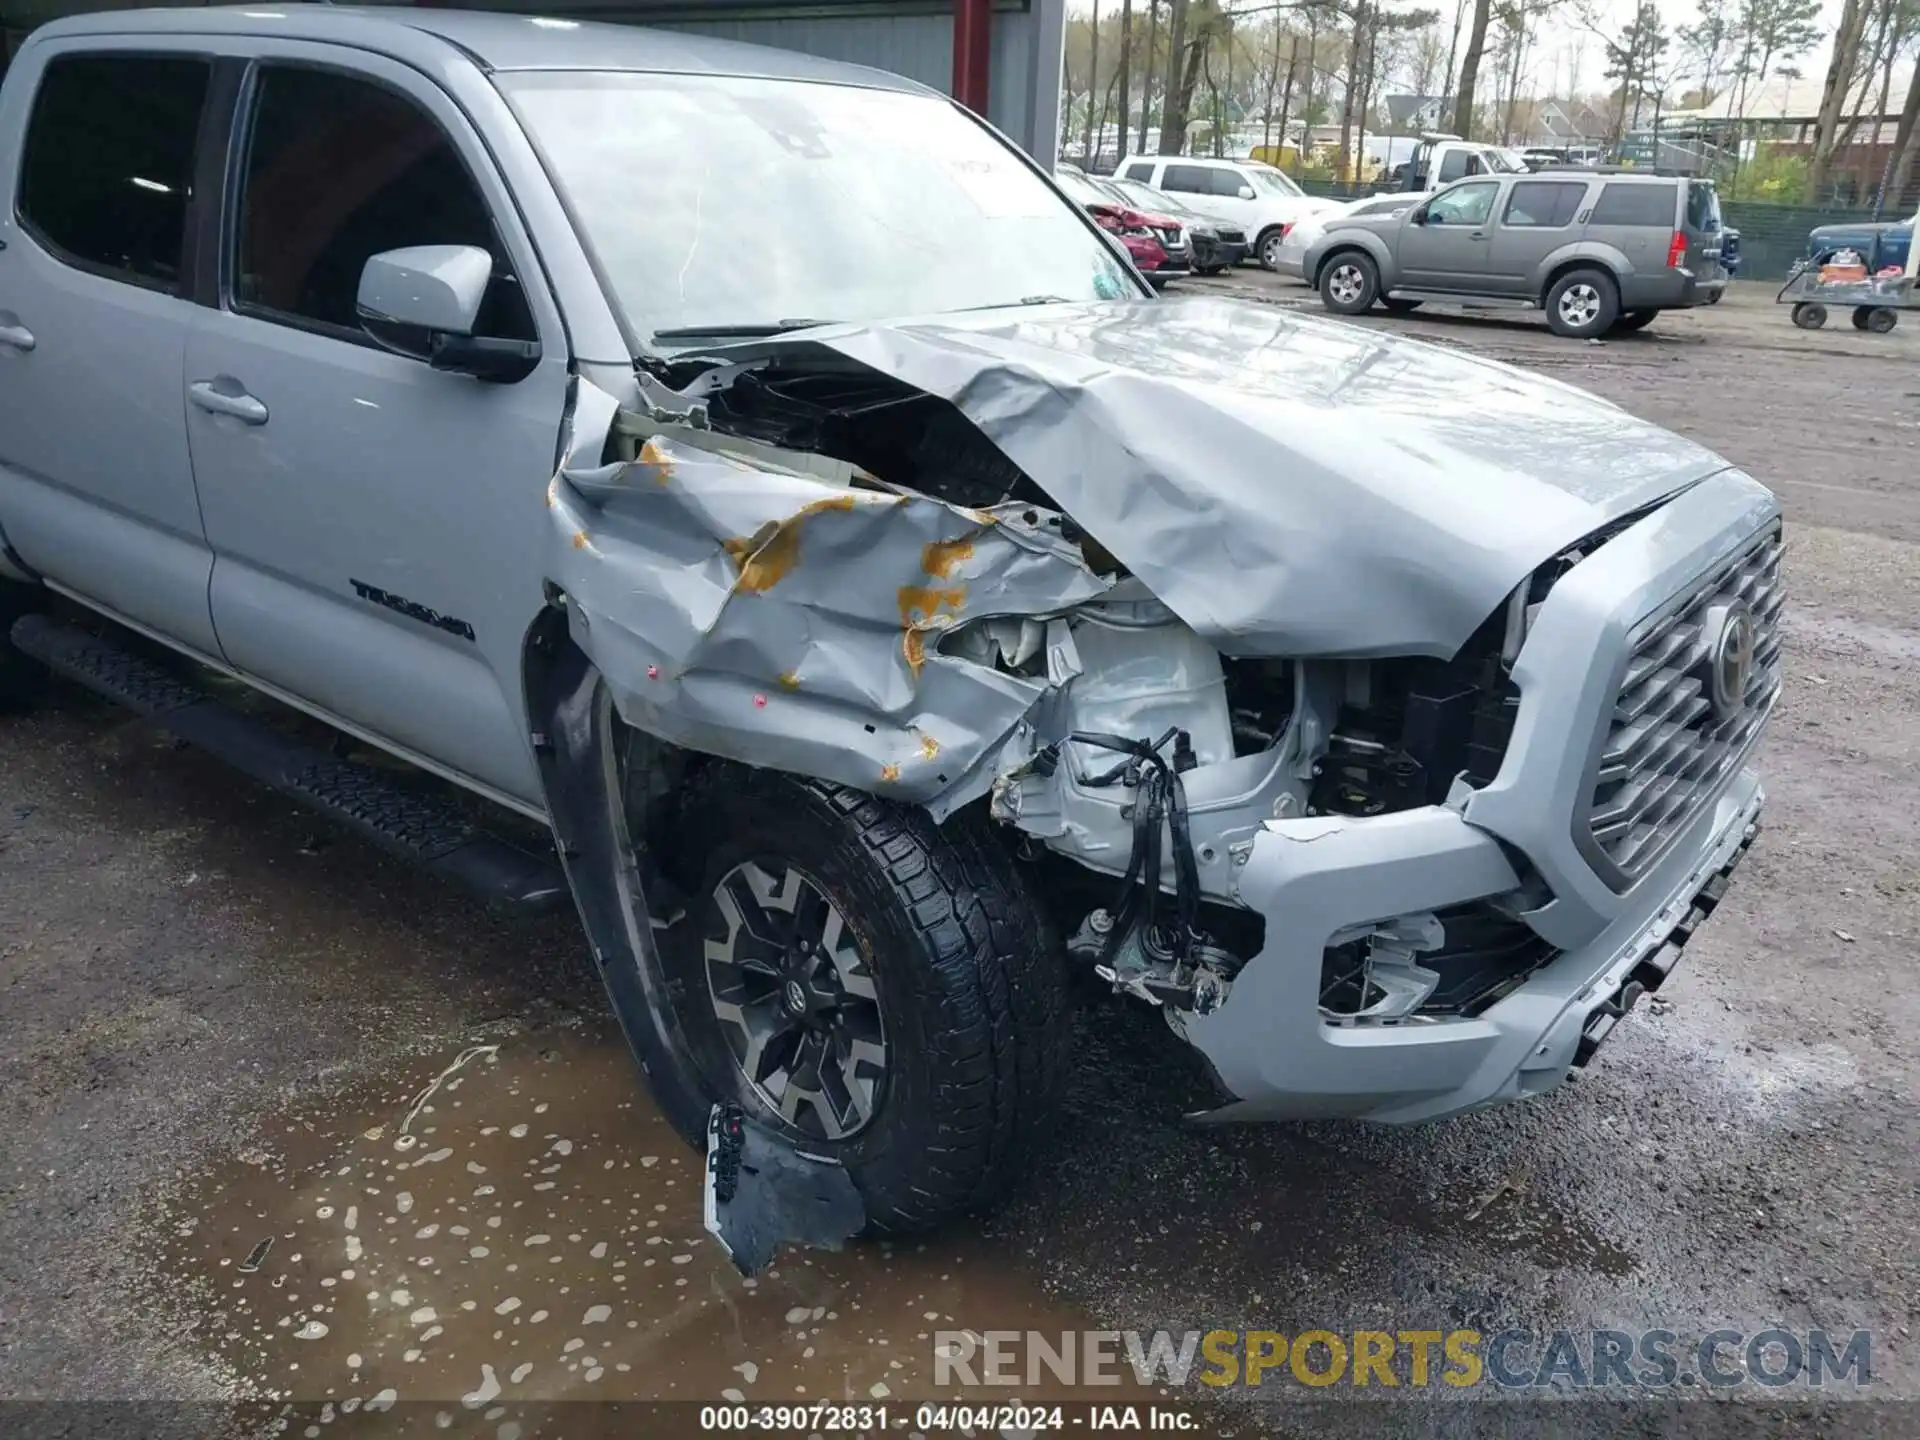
<point>1597,252</point>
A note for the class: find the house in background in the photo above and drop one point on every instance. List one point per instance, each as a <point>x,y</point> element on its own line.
<point>1781,114</point>
<point>1410,114</point>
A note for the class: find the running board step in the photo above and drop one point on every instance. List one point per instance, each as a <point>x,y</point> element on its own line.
<point>419,828</point>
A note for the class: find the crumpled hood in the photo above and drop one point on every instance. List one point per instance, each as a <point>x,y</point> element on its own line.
<point>1288,485</point>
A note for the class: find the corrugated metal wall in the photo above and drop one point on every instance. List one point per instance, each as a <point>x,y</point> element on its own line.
<point>1024,93</point>
<point>909,37</point>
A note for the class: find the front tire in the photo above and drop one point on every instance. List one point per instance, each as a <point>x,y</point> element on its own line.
<point>1583,304</point>
<point>869,983</point>
<point>1349,283</point>
<point>1267,247</point>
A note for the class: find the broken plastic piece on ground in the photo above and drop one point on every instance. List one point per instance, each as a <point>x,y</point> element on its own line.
<point>254,1256</point>
<point>761,1193</point>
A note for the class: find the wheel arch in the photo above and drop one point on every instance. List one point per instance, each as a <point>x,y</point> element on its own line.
<point>1580,257</point>
<point>573,731</point>
<point>1348,246</point>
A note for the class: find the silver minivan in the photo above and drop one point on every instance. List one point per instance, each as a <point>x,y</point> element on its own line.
<point>1597,252</point>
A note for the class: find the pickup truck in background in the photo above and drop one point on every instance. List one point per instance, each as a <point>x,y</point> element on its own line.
<point>861,627</point>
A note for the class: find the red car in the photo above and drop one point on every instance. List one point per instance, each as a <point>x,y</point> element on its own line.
<point>1157,243</point>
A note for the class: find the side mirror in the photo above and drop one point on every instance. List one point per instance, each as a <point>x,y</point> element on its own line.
<point>1245,192</point>
<point>1419,216</point>
<point>424,302</point>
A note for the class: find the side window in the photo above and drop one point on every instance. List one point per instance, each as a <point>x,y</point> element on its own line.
<point>1703,207</point>
<point>1636,205</point>
<point>1193,179</point>
<point>1228,182</point>
<point>107,171</point>
<point>1141,170</point>
<point>337,170</point>
<point>1464,204</point>
<point>1545,204</point>
<point>1454,166</point>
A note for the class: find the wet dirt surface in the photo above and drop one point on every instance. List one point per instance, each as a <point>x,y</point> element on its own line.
<point>520,1227</point>
<point>210,1006</point>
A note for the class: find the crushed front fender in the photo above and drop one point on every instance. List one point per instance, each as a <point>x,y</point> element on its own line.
<point>780,619</point>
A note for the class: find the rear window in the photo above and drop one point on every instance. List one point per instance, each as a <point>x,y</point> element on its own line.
<point>1635,205</point>
<point>108,167</point>
<point>1703,209</point>
<point>1545,204</point>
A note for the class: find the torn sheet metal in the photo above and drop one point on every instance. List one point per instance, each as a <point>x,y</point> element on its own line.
<point>792,622</point>
<point>1287,485</point>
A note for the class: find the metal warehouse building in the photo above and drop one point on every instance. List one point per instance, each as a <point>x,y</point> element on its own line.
<point>999,57</point>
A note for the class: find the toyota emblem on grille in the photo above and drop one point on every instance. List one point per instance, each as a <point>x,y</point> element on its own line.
<point>1731,663</point>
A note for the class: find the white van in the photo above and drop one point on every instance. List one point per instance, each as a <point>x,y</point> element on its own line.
<point>1258,198</point>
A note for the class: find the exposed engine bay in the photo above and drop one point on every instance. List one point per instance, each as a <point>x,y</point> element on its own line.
<point>1095,721</point>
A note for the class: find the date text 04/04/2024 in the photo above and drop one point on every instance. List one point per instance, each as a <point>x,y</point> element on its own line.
<point>992,1419</point>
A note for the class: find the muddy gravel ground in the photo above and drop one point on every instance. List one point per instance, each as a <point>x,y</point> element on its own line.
<point>285,1121</point>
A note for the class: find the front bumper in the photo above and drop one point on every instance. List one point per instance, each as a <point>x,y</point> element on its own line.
<point>1215,254</point>
<point>1268,1042</point>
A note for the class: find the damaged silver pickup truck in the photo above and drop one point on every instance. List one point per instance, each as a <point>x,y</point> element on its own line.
<point>886,614</point>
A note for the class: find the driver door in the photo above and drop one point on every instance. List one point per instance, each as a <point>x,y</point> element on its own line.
<point>1451,249</point>
<point>376,524</point>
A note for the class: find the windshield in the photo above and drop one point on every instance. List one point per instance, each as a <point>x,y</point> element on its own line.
<point>1145,197</point>
<point>717,201</point>
<point>1501,163</point>
<point>1080,188</point>
<point>1273,182</point>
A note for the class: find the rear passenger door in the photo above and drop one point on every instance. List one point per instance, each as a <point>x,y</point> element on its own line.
<point>378,525</point>
<point>97,254</point>
<point>1195,185</point>
<point>1538,218</point>
<point>1637,219</point>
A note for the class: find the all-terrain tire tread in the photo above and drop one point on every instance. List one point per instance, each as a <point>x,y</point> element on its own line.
<point>1001,995</point>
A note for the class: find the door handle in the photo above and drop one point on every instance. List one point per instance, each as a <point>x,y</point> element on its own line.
<point>17,335</point>
<point>208,395</point>
<point>1478,235</point>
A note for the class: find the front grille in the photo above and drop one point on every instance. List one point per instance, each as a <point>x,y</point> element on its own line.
<point>1231,236</point>
<point>1172,239</point>
<point>1667,748</point>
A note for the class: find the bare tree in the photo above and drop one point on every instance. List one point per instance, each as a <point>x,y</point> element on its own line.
<point>1293,66</point>
<point>1126,69</point>
<point>1193,27</point>
<point>1356,54</point>
<point>1093,83</point>
<point>1707,43</point>
<point>1146,69</point>
<point>1906,142</point>
<point>1834,91</point>
<point>1470,69</point>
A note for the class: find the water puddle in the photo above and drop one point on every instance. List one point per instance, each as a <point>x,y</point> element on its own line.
<point>515,1224</point>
